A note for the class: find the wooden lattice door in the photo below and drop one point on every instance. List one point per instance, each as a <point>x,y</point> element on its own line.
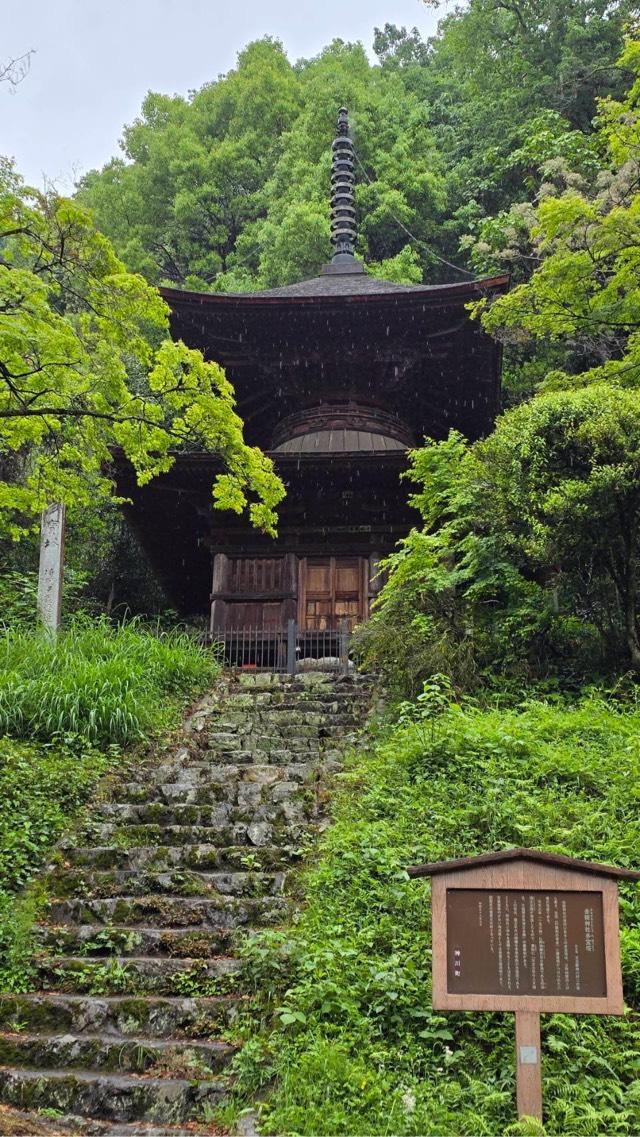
<point>332,589</point>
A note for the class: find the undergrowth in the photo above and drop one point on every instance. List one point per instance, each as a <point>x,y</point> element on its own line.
<point>344,1039</point>
<point>70,711</point>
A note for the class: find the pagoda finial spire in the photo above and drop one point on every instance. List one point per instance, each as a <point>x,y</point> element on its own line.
<point>343,210</point>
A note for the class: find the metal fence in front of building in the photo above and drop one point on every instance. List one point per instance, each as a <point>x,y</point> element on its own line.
<point>285,651</point>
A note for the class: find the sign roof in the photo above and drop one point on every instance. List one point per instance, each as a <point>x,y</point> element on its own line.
<point>520,854</point>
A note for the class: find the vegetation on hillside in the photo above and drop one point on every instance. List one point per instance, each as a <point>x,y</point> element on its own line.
<point>510,140</point>
<point>70,711</point>
<point>528,561</point>
<point>351,1039</point>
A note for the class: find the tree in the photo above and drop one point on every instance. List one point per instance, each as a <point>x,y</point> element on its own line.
<point>583,242</point>
<point>86,366</point>
<point>14,70</point>
<point>528,560</point>
<point>529,556</point>
<point>229,189</point>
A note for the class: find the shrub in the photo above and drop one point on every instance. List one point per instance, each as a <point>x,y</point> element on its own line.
<point>355,1045</point>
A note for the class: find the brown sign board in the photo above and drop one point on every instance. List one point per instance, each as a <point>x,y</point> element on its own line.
<point>528,932</point>
<point>525,942</point>
<point>533,932</point>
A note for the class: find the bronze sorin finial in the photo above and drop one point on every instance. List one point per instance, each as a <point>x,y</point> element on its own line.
<point>343,212</point>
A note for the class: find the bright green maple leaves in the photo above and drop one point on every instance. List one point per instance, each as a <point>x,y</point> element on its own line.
<point>86,365</point>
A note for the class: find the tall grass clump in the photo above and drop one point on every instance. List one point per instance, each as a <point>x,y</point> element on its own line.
<point>106,684</point>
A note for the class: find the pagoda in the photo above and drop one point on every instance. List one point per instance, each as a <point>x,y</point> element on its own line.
<point>336,377</point>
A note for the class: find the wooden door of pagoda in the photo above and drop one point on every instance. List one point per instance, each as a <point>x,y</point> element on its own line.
<point>332,589</point>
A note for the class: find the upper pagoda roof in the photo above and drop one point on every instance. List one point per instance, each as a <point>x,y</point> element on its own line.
<point>348,337</point>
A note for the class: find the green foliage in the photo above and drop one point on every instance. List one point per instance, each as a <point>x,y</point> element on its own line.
<point>585,241</point>
<point>227,189</point>
<point>351,1037</point>
<point>106,684</point>
<point>19,592</point>
<point>86,366</point>
<point>84,695</point>
<point>41,789</point>
<point>527,562</point>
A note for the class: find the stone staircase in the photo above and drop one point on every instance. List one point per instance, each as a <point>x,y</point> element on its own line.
<point>137,974</point>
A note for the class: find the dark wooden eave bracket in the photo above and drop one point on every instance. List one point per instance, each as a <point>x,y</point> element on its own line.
<point>553,859</point>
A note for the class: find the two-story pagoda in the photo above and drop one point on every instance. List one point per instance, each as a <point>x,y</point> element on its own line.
<point>335,377</point>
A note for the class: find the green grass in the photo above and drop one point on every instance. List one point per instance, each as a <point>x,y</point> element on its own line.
<point>108,684</point>
<point>69,711</point>
<point>344,1032</point>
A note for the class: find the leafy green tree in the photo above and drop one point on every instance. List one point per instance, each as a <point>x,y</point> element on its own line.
<point>528,559</point>
<point>86,365</point>
<point>229,189</point>
<point>194,170</point>
<point>581,302</point>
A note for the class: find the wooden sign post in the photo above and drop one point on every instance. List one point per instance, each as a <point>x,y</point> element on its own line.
<point>527,932</point>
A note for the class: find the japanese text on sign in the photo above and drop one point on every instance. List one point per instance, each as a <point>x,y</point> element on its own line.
<point>525,942</point>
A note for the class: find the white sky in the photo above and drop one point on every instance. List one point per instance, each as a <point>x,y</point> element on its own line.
<point>95,60</point>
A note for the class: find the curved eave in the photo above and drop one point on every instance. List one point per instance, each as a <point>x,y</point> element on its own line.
<point>462,292</point>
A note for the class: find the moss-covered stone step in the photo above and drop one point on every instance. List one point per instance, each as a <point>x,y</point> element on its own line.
<point>218,781</point>
<point>107,1052</point>
<point>281,755</point>
<point>170,911</point>
<point>261,788</point>
<point>288,714</point>
<point>138,882</point>
<point>250,834</point>
<point>157,1016</point>
<point>97,941</point>
<point>202,815</point>
<point>130,836</point>
<point>302,740</point>
<point>157,975</point>
<point>232,858</point>
<point>117,1097</point>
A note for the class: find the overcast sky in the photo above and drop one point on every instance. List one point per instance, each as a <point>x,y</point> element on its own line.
<point>95,60</point>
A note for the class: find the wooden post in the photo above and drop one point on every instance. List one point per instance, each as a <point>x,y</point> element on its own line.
<point>51,569</point>
<point>528,1068</point>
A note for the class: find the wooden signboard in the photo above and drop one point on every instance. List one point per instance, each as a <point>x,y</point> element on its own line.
<point>527,932</point>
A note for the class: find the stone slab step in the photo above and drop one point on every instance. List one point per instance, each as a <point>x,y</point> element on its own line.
<point>108,1052</point>
<point>142,975</point>
<point>278,756</point>
<point>170,911</point>
<point>239,722</point>
<point>138,882</point>
<point>257,835</point>
<point>95,941</point>
<point>156,1016</point>
<point>170,784</point>
<point>231,858</point>
<point>261,740</point>
<point>200,815</point>
<point>118,1097</point>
